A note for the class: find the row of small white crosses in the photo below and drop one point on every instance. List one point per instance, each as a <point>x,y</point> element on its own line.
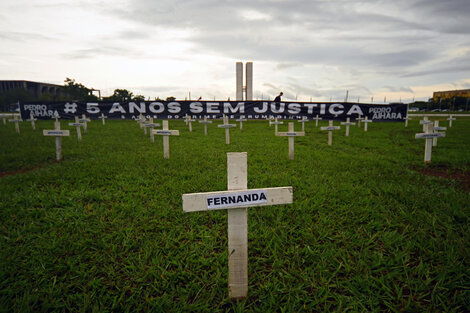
<point>236,200</point>
<point>431,133</point>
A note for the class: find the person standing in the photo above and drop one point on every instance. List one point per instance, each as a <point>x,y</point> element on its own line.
<point>278,98</point>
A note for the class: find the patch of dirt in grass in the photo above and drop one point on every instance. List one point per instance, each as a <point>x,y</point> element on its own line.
<point>19,171</point>
<point>443,171</point>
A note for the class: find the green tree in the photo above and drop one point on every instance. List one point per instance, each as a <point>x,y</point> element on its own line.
<point>170,98</point>
<point>77,91</point>
<point>120,95</point>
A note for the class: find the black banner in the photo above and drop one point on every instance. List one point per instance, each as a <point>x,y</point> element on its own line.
<point>214,109</point>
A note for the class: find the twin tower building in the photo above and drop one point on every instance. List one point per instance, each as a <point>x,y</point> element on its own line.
<point>244,92</point>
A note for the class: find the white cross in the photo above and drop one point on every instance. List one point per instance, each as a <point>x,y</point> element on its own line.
<point>275,123</point>
<point>85,121</point>
<point>241,120</point>
<point>17,125</point>
<point>103,117</point>
<point>330,128</point>
<point>291,134</point>
<point>269,119</point>
<point>450,119</point>
<point>436,128</point>
<point>189,123</point>
<point>236,200</point>
<point>347,123</point>
<point>428,135</point>
<point>227,126</point>
<point>58,134</point>
<point>77,124</point>
<point>303,121</point>
<point>406,120</point>
<point>205,122</point>
<point>165,132</point>
<point>359,119</point>
<point>186,119</point>
<point>32,119</point>
<point>151,125</point>
<point>366,122</point>
<point>425,121</point>
<point>4,117</point>
<point>317,118</point>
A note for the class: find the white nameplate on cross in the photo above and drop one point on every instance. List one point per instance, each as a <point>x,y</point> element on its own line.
<point>436,128</point>
<point>347,124</point>
<point>291,134</point>
<point>236,200</point>
<point>330,128</point>
<point>165,132</point>
<point>227,126</point>
<point>205,122</point>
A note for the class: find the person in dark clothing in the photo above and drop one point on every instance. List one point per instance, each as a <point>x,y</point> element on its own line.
<point>278,98</point>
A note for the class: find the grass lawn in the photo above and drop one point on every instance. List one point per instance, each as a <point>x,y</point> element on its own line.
<point>372,227</point>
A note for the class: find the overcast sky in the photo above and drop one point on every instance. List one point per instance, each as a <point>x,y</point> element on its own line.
<point>401,49</point>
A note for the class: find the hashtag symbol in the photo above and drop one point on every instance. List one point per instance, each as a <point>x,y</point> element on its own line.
<point>70,108</point>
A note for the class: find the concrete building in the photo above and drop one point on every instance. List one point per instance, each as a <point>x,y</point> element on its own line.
<point>445,95</point>
<point>37,89</point>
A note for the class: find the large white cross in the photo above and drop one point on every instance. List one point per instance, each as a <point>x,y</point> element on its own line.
<point>236,200</point>
<point>303,121</point>
<point>227,127</point>
<point>347,124</point>
<point>330,128</point>
<point>77,124</point>
<point>165,132</point>
<point>58,134</point>
<point>275,123</point>
<point>102,117</point>
<point>291,134</point>
<point>428,135</point>
<point>205,122</point>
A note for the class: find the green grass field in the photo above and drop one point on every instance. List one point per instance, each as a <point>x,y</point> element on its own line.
<point>372,227</point>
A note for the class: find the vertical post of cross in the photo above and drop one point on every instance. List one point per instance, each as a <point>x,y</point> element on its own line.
<point>237,228</point>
